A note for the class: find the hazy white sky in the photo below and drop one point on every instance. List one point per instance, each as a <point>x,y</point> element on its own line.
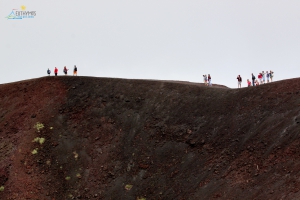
<point>152,39</point>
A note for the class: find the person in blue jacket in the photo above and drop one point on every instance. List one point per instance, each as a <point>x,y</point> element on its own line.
<point>48,71</point>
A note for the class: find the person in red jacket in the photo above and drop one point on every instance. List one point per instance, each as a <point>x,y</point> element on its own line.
<point>55,71</point>
<point>260,76</point>
<point>248,82</point>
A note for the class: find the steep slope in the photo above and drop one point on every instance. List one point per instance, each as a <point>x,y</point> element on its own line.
<point>132,139</point>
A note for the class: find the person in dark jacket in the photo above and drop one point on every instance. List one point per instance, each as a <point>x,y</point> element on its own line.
<point>65,70</point>
<point>239,78</point>
<point>75,71</point>
<point>253,79</point>
<point>48,71</point>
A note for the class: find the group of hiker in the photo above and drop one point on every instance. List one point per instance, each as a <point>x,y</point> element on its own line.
<point>263,77</point>
<point>207,80</point>
<point>65,71</point>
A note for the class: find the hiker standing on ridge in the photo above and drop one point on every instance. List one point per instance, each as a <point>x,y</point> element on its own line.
<point>259,76</point>
<point>75,71</point>
<point>268,76</point>
<point>55,71</point>
<point>209,80</point>
<point>239,78</point>
<point>271,75</point>
<point>65,70</point>
<point>48,71</point>
<point>253,79</point>
<point>263,76</point>
<point>248,82</point>
<point>256,83</point>
<point>205,79</point>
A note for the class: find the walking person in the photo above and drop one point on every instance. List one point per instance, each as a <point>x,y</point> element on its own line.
<point>55,71</point>
<point>65,70</point>
<point>48,72</point>
<point>239,78</point>
<point>75,71</point>
<point>253,79</point>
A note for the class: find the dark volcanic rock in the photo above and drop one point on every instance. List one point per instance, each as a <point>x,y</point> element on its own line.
<point>100,138</point>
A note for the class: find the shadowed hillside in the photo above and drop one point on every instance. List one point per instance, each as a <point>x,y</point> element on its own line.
<point>99,138</point>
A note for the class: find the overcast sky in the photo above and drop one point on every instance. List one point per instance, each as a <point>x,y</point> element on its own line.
<point>152,39</point>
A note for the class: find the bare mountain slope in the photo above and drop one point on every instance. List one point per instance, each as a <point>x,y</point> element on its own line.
<point>100,138</point>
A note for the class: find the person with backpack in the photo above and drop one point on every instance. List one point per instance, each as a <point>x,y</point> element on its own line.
<point>65,70</point>
<point>48,72</point>
<point>253,79</point>
<point>209,80</point>
<point>55,71</point>
<point>239,78</point>
<point>75,71</point>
